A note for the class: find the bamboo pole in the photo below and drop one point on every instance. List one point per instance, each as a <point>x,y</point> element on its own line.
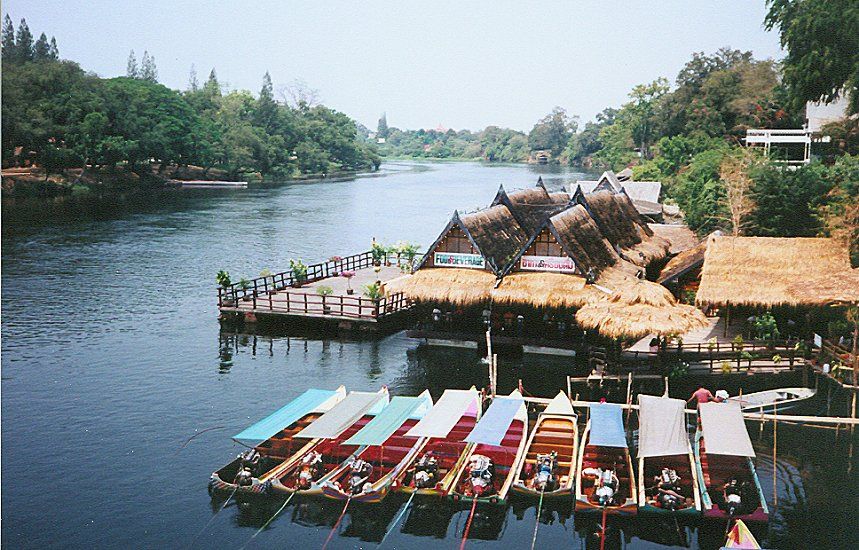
<point>570,389</point>
<point>775,455</point>
<point>628,396</point>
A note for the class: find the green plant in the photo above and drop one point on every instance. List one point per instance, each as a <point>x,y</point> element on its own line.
<point>738,340</point>
<point>766,327</point>
<point>679,369</point>
<point>776,359</point>
<point>223,279</point>
<point>265,273</point>
<point>325,290</point>
<point>244,284</point>
<point>373,291</point>
<point>299,270</point>
<point>711,343</point>
<point>407,250</point>
<point>688,297</point>
<point>378,252</point>
<point>726,367</point>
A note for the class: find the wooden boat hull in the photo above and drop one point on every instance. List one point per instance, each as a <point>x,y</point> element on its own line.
<point>629,507</point>
<point>557,433</point>
<point>687,470</point>
<point>744,467</point>
<point>769,401</point>
<point>439,447</point>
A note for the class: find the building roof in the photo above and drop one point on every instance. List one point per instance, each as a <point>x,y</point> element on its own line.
<point>683,263</point>
<point>497,235</point>
<point>680,237</point>
<point>580,237</point>
<point>647,191</point>
<point>532,207</point>
<point>774,271</point>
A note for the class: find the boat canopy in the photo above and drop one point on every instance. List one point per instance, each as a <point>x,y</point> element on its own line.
<point>662,427</point>
<point>607,426</point>
<point>497,419</point>
<point>307,402</point>
<point>400,409</point>
<point>453,405</point>
<point>345,413</point>
<point>560,405</point>
<point>725,430</point>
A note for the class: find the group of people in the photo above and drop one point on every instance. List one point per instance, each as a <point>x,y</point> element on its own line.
<point>703,395</point>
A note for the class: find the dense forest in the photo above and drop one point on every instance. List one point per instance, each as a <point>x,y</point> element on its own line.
<point>59,117</point>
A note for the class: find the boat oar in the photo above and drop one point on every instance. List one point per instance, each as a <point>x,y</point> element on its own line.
<point>397,519</point>
<point>264,525</point>
<point>468,523</point>
<point>602,533</point>
<point>537,522</point>
<point>211,519</point>
<point>337,523</point>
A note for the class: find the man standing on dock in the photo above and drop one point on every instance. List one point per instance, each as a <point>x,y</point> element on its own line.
<point>702,395</point>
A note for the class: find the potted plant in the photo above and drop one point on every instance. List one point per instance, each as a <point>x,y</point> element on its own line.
<point>378,253</point>
<point>390,251</point>
<point>299,272</point>
<point>374,291</point>
<point>265,274</point>
<point>324,291</point>
<point>245,285</point>
<point>406,251</point>
<point>348,276</point>
<point>223,279</point>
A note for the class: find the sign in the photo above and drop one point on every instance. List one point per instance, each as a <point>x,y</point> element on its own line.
<point>456,259</point>
<point>818,341</point>
<point>547,263</point>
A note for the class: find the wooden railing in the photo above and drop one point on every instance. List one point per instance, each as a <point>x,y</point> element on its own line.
<point>355,307</point>
<point>739,356</point>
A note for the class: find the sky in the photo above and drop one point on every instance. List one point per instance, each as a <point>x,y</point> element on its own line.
<point>425,64</point>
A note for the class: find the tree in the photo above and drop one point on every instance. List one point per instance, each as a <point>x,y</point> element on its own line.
<point>642,110</point>
<point>822,42</point>
<point>382,127</point>
<point>8,39</point>
<point>212,86</point>
<point>840,211</point>
<point>54,52</point>
<point>265,111</point>
<point>148,70</point>
<point>700,194</point>
<point>739,202</point>
<point>788,200</point>
<point>131,70</point>
<point>553,132</point>
<point>193,84</point>
<point>24,42</point>
<point>42,50</point>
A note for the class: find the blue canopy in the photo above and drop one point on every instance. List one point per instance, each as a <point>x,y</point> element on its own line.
<point>288,414</point>
<point>493,426</point>
<point>400,409</point>
<point>607,426</point>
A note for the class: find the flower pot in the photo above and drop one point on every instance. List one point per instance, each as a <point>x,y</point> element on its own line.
<point>350,291</point>
<point>326,310</point>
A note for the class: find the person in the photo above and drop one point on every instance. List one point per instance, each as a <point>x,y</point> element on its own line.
<point>701,395</point>
<point>722,396</point>
<point>360,476</point>
<point>654,344</point>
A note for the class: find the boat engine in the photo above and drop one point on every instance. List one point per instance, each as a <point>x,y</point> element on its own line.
<point>426,471</point>
<point>360,473</point>
<point>250,460</point>
<point>669,498</point>
<point>545,478</point>
<point>311,468</point>
<point>733,497</point>
<point>606,488</point>
<point>482,472</point>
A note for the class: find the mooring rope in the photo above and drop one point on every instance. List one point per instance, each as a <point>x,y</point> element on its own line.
<point>537,522</point>
<point>397,519</point>
<point>211,519</point>
<point>468,523</point>
<point>264,525</point>
<point>337,523</point>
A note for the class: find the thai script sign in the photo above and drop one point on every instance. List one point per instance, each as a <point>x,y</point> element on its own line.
<point>456,259</point>
<point>547,263</point>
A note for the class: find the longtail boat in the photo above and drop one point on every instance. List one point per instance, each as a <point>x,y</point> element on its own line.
<point>729,484</point>
<point>271,442</point>
<point>605,480</point>
<point>549,466</point>
<point>741,537</point>
<point>499,443</point>
<point>444,429</point>
<point>665,459</point>
<point>766,401</point>
<point>367,475</point>
<point>307,472</point>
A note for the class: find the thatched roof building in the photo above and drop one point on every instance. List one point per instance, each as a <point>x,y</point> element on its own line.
<point>623,226</point>
<point>580,238</point>
<point>679,237</point>
<point>532,207</point>
<point>683,263</point>
<point>769,271</point>
<point>462,287</point>
<point>545,289</point>
<point>644,191</point>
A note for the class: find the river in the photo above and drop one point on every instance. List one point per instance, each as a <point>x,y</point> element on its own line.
<point>119,391</point>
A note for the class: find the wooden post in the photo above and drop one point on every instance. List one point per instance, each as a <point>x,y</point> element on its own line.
<point>569,388</point>
<point>666,386</point>
<point>775,455</point>
<point>727,319</point>
<point>628,396</point>
<point>489,344</point>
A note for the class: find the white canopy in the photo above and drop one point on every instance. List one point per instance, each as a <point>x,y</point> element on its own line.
<point>662,427</point>
<point>446,413</point>
<point>345,413</point>
<point>560,405</point>
<point>725,430</point>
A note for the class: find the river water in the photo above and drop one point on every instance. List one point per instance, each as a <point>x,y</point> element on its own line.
<point>119,391</point>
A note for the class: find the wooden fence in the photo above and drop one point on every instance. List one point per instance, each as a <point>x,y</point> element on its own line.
<point>719,357</point>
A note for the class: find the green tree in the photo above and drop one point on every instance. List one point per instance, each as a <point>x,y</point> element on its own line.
<point>552,133</point>
<point>265,112</point>
<point>642,113</point>
<point>382,127</point>
<point>131,69</point>
<point>8,36</point>
<point>700,193</point>
<point>53,52</point>
<point>42,49</point>
<point>822,42</point>
<point>148,70</point>
<point>24,42</point>
<point>788,200</point>
<point>193,83</point>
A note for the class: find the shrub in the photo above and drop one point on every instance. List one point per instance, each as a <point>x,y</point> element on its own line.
<point>223,279</point>
<point>325,290</point>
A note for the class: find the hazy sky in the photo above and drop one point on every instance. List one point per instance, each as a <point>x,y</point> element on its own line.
<point>457,64</point>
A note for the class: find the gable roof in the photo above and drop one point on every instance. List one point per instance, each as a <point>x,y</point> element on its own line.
<point>532,207</point>
<point>496,233</point>
<point>580,238</point>
<point>645,191</point>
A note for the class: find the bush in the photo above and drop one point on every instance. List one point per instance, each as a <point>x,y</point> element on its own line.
<point>325,290</point>
<point>299,270</point>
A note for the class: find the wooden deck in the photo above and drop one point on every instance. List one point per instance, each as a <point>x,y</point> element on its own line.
<point>281,296</point>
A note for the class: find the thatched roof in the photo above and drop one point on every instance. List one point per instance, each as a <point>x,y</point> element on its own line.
<point>638,309</point>
<point>532,207</point>
<point>683,263</point>
<point>497,234</point>
<point>624,227</point>
<point>543,289</point>
<point>581,239</point>
<point>679,237</point>
<point>770,271</point>
<point>458,286</point>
